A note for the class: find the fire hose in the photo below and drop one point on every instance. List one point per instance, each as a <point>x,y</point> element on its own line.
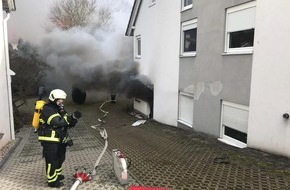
<point>101,120</point>
<point>85,176</point>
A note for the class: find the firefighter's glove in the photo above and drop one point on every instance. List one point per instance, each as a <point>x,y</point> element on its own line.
<point>77,115</point>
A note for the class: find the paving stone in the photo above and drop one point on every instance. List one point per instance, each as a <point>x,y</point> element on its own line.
<point>161,156</point>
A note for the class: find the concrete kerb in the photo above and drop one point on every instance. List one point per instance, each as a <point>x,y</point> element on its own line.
<point>10,152</point>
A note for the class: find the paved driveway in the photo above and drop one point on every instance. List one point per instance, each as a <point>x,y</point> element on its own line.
<point>160,155</point>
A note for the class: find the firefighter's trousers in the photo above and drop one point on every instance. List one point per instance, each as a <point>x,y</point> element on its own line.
<point>54,154</point>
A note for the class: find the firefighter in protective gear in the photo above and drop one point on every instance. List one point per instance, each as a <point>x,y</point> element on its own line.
<point>53,135</point>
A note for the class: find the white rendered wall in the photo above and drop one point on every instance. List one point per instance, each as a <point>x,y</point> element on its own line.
<point>159,27</point>
<point>270,89</point>
<point>4,116</point>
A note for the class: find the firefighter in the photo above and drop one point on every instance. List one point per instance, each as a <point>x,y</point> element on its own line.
<point>53,135</point>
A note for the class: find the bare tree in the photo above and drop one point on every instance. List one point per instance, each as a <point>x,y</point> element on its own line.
<point>66,14</point>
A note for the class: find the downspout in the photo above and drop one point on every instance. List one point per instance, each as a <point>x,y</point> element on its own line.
<point>8,77</point>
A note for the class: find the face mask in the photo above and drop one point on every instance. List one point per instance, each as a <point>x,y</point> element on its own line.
<point>59,103</point>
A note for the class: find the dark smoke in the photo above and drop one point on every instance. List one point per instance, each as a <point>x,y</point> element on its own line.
<point>102,60</point>
<point>86,61</point>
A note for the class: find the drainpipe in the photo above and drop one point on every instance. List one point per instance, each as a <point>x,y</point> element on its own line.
<point>8,77</point>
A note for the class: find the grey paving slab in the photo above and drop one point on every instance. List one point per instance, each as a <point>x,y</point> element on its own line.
<point>25,168</point>
<point>161,156</point>
<point>165,156</point>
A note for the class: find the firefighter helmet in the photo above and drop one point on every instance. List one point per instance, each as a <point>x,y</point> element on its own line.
<point>57,94</point>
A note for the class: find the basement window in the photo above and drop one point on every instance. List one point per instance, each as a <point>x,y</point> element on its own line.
<point>238,135</point>
<point>185,109</point>
<point>234,124</point>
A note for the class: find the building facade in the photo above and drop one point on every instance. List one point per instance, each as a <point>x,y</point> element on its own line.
<point>156,46</point>
<point>268,130</point>
<point>213,50</point>
<point>6,116</point>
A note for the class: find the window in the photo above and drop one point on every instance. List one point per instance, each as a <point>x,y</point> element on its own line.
<point>240,28</point>
<point>234,124</point>
<point>186,4</point>
<point>152,2</point>
<point>188,38</point>
<point>138,47</point>
<point>185,110</point>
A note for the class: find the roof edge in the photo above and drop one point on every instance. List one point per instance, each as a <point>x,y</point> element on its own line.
<point>133,18</point>
<point>8,5</point>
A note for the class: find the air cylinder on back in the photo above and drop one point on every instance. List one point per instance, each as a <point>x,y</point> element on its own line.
<point>37,110</point>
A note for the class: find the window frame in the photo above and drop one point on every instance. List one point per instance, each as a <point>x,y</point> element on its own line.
<point>238,110</point>
<point>186,7</point>
<point>238,50</point>
<point>152,2</point>
<point>185,26</point>
<point>138,47</point>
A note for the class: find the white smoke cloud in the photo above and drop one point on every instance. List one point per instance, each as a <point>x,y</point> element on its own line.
<point>103,59</point>
<point>77,55</point>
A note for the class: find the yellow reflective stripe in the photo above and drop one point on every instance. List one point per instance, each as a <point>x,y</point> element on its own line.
<point>41,121</point>
<point>49,177</point>
<point>52,134</point>
<point>52,139</point>
<point>64,140</point>
<point>58,171</point>
<point>65,118</point>
<point>51,117</point>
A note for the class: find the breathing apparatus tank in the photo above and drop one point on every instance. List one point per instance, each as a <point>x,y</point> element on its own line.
<point>37,110</point>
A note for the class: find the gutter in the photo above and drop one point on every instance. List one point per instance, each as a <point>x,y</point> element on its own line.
<point>133,17</point>
<point>8,77</point>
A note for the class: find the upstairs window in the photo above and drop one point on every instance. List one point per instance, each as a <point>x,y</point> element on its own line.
<point>188,38</point>
<point>240,28</point>
<point>152,2</point>
<point>186,4</point>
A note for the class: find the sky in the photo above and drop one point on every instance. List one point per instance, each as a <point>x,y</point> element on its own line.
<point>31,18</point>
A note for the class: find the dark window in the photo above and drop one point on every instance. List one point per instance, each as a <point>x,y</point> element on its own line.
<point>139,46</point>
<point>189,40</point>
<point>240,136</point>
<point>187,2</point>
<point>241,39</point>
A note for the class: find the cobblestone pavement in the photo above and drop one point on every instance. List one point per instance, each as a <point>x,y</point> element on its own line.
<point>25,168</point>
<point>161,156</point>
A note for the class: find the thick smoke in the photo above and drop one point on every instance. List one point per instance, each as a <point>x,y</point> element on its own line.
<point>101,60</point>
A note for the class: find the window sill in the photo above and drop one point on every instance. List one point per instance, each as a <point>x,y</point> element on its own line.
<point>238,53</point>
<point>185,123</point>
<point>187,94</point>
<point>232,142</point>
<point>186,8</point>
<point>188,55</point>
<point>152,4</point>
